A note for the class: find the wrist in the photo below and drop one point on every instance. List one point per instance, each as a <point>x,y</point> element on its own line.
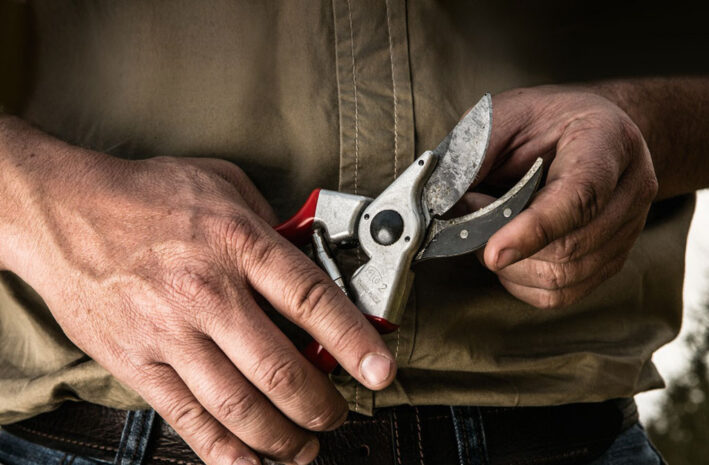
<point>37,173</point>
<point>626,94</point>
<point>670,113</point>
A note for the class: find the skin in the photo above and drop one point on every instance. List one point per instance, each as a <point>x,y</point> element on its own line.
<point>602,176</point>
<point>151,267</point>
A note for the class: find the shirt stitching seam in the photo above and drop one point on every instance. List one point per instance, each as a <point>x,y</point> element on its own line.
<point>393,91</point>
<point>396,133</point>
<point>398,338</point>
<point>356,398</point>
<point>354,85</point>
<point>339,92</point>
<point>356,167</point>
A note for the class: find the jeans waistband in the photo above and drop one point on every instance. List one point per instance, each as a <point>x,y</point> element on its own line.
<point>424,435</point>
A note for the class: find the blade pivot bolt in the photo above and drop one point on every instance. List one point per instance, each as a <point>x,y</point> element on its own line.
<point>387,227</point>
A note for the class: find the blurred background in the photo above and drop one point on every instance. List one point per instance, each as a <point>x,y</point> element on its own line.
<point>677,417</point>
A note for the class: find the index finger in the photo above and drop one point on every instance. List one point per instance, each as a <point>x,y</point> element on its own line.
<point>303,293</point>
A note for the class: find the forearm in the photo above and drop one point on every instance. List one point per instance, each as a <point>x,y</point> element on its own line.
<point>37,173</point>
<point>17,160</point>
<point>127,255</point>
<point>673,116</point>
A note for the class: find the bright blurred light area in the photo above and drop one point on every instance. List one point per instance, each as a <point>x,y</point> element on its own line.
<point>673,359</point>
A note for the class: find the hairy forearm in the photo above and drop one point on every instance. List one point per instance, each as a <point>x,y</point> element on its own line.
<point>673,116</point>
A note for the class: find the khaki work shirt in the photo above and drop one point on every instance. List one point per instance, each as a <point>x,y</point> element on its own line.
<point>342,95</point>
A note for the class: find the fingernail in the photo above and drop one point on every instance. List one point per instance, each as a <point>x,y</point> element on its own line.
<point>507,257</point>
<point>308,453</point>
<point>375,368</point>
<point>244,461</point>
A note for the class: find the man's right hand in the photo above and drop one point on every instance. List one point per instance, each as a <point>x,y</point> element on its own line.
<point>151,267</point>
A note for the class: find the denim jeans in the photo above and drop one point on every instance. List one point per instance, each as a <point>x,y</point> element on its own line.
<point>130,451</point>
<point>632,447</point>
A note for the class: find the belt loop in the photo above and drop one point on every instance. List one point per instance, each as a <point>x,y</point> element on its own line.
<point>479,435</point>
<point>457,428</point>
<point>135,437</point>
<point>470,435</point>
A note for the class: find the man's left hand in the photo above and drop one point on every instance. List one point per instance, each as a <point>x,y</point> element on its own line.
<point>579,229</point>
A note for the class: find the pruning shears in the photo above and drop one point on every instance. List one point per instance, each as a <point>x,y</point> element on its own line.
<point>403,225</point>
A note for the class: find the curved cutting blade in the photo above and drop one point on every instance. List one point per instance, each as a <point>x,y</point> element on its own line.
<point>460,156</point>
<point>448,238</point>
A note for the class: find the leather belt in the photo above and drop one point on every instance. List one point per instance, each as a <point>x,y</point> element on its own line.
<point>561,435</point>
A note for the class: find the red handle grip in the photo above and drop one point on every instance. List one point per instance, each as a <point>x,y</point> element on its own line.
<point>299,227</point>
<point>322,359</point>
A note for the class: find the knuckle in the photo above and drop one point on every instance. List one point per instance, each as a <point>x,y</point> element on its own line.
<point>567,249</point>
<point>217,446</point>
<point>343,339</point>
<point>284,448</point>
<point>542,231</point>
<point>235,172</point>
<point>196,282</point>
<point>552,276</point>
<point>235,407</point>
<point>578,200</point>
<point>551,300</point>
<point>237,230</point>
<point>590,122</point>
<point>152,374</point>
<point>231,173</point>
<point>630,137</point>
<point>187,345</point>
<point>280,376</point>
<point>312,294</point>
<point>244,241</point>
<point>571,298</point>
<point>634,143</point>
<point>613,268</point>
<point>141,363</point>
<point>328,420</point>
<point>649,188</point>
<point>586,201</point>
<point>188,416</point>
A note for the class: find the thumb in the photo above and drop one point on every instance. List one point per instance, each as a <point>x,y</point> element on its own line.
<point>580,181</point>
